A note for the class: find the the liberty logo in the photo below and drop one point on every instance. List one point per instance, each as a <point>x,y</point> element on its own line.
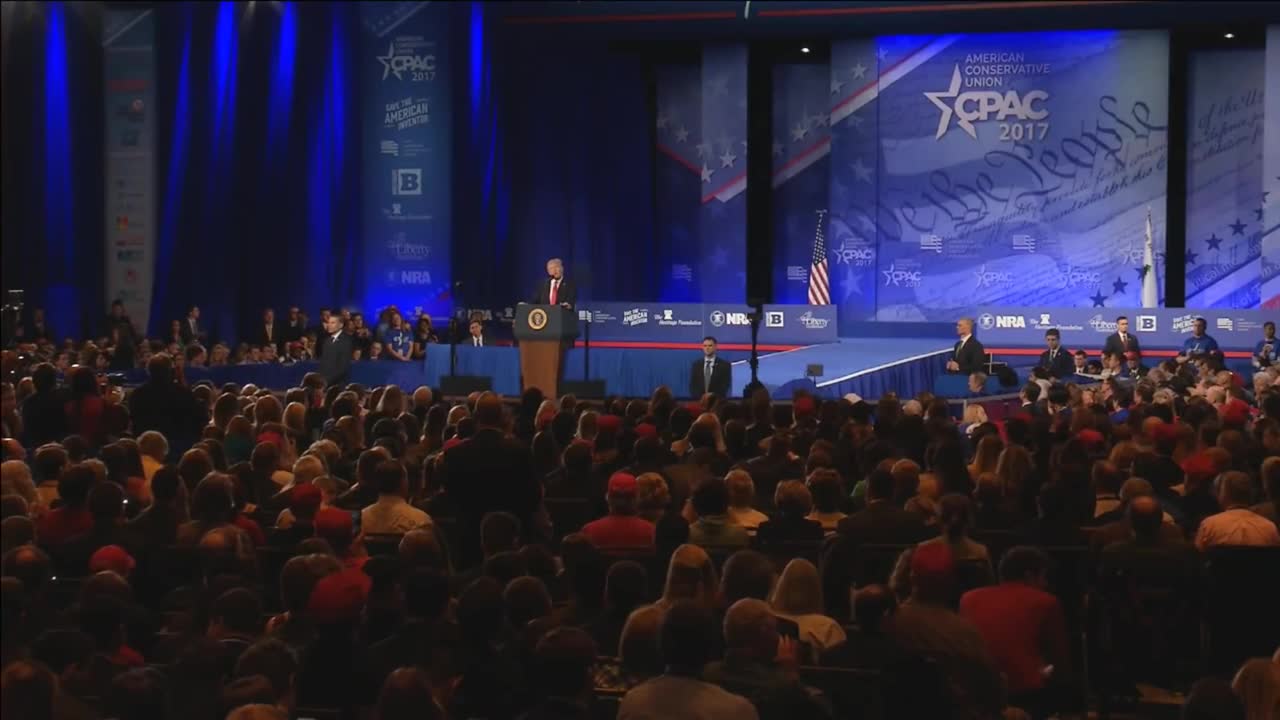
<point>1101,324</point>
<point>813,323</point>
<point>980,105</point>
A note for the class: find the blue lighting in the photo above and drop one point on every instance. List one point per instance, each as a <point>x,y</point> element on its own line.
<point>282,68</point>
<point>61,301</point>
<point>325,173</point>
<point>476,48</point>
<point>174,183</point>
<point>224,71</point>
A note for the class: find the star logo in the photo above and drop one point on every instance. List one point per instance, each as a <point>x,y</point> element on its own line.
<point>704,149</point>
<point>1191,257</point>
<point>858,71</point>
<point>1237,227</point>
<point>727,159</point>
<point>386,62</point>
<point>706,173</point>
<point>861,172</point>
<point>1098,299</point>
<point>944,122</point>
<point>799,132</point>
<point>836,85</point>
<point>1118,286</point>
<point>1214,241</point>
<point>682,134</point>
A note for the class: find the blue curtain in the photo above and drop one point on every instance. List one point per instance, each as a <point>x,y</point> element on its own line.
<point>259,199</point>
<point>554,160</point>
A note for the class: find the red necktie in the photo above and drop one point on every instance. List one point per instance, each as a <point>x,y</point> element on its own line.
<point>553,291</point>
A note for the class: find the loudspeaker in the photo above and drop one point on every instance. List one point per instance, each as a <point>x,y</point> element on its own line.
<point>460,385</point>
<point>583,388</point>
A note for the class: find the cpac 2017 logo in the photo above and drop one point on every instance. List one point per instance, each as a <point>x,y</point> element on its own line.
<point>981,105</point>
<point>421,67</point>
<point>991,278</point>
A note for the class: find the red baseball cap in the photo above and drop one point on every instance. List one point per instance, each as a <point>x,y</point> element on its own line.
<point>337,598</point>
<point>1235,412</point>
<point>624,483</point>
<point>609,422</point>
<point>304,496</point>
<point>333,523</point>
<point>1199,467</point>
<point>646,430</point>
<point>1091,438</point>
<point>932,560</point>
<point>113,558</point>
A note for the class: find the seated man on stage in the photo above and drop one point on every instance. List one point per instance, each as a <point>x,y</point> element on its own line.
<point>555,289</point>
<point>968,356</point>
<point>1057,359</point>
<point>477,337</point>
<point>977,383</point>
<point>1199,343</point>
<point>1080,362</point>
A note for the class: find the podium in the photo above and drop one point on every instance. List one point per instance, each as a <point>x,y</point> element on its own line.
<point>543,331</point>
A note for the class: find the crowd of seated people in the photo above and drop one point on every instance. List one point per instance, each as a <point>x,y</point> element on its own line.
<point>123,346</point>
<point>349,552</point>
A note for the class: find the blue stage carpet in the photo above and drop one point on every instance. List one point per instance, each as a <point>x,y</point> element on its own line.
<point>866,366</point>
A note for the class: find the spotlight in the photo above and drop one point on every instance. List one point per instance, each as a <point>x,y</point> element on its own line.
<point>804,50</point>
<point>1230,36</point>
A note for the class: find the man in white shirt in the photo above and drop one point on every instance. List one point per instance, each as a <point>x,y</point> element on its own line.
<point>1237,524</point>
<point>679,693</point>
<point>391,514</point>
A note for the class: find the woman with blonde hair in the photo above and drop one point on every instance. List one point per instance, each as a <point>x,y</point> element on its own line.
<point>295,421</point>
<point>588,427</point>
<point>392,402</point>
<point>974,415</point>
<point>690,576</point>
<point>1257,684</point>
<point>986,456</point>
<point>705,422</point>
<point>798,597</point>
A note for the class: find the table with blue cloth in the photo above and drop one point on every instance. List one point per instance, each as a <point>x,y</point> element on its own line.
<point>631,373</point>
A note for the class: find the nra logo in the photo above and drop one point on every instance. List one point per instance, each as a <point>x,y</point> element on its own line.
<point>720,319</point>
<point>987,321</point>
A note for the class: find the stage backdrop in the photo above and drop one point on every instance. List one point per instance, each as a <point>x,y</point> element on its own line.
<point>129,111</point>
<point>1087,329</point>
<point>1271,176</point>
<point>406,109</point>
<point>1224,179</point>
<point>972,169</point>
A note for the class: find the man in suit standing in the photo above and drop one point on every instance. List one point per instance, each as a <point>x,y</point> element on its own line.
<point>335,352</point>
<point>1057,359</point>
<point>268,332</point>
<point>1121,341</point>
<point>490,472</point>
<point>295,326</point>
<point>969,356</point>
<point>555,289</point>
<point>191,330</point>
<point>710,374</point>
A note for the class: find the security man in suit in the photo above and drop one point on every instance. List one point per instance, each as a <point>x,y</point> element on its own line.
<point>968,356</point>
<point>1057,359</point>
<point>710,374</point>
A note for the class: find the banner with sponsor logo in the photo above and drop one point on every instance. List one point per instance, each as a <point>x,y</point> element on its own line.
<point>1087,328</point>
<point>129,60</point>
<point>997,169</point>
<point>406,116</point>
<point>1224,178</point>
<point>690,322</point>
<point>1270,250</point>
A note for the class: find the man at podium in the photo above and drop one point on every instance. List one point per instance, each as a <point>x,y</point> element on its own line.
<point>555,289</point>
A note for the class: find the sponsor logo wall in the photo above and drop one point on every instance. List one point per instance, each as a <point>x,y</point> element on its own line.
<point>406,118</point>
<point>690,322</point>
<point>129,97</point>
<point>1087,328</point>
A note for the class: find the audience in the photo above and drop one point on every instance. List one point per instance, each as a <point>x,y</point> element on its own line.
<point>352,551</point>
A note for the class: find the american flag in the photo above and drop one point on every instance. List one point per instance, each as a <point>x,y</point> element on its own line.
<point>819,283</point>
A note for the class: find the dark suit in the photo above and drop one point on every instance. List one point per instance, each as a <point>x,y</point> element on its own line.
<point>191,334</point>
<point>490,472</point>
<point>292,331</point>
<point>721,378</point>
<point>883,523</point>
<point>262,337</point>
<point>970,356</point>
<point>335,358</point>
<point>1061,365</point>
<point>566,293</point>
<point>470,339</point>
<point>1115,345</point>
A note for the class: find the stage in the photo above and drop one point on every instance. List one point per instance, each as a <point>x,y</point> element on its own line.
<point>868,366</point>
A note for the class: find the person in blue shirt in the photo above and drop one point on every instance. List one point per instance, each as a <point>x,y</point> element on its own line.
<point>1199,343</point>
<point>1267,351</point>
<point>398,339</point>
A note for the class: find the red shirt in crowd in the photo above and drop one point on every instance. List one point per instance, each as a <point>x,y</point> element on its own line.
<point>251,527</point>
<point>620,532</point>
<point>60,525</point>
<point>1023,627</point>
